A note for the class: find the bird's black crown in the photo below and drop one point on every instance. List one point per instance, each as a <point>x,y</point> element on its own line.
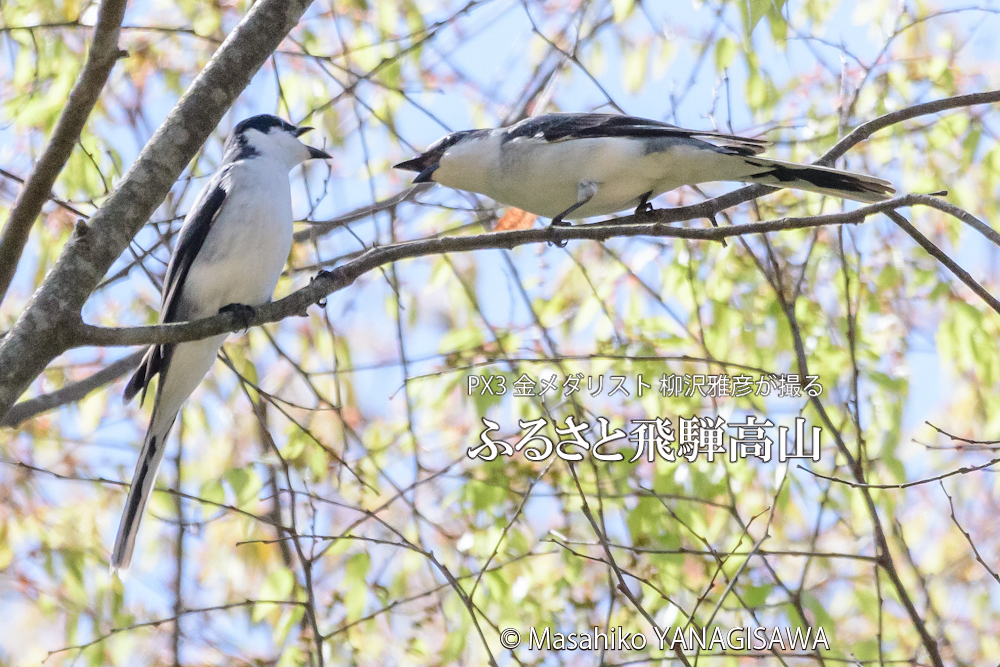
<point>263,123</point>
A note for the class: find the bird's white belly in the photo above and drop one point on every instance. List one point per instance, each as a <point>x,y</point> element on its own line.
<point>245,251</point>
<point>546,179</point>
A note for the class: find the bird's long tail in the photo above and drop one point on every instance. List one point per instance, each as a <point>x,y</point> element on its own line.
<point>142,485</point>
<point>188,363</point>
<point>846,184</point>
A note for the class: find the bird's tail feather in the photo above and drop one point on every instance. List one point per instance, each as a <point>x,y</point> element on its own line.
<point>188,363</point>
<point>849,185</point>
<point>142,485</point>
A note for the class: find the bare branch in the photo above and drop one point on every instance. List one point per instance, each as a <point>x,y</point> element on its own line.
<point>940,256</point>
<point>710,207</point>
<point>622,586</point>
<point>360,213</point>
<point>59,202</point>
<point>328,282</point>
<point>905,485</point>
<point>966,440</point>
<point>72,393</point>
<point>968,537</point>
<point>857,469</point>
<point>865,130</point>
<point>172,619</point>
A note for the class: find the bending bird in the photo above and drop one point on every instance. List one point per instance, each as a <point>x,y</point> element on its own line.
<point>229,254</point>
<point>570,166</point>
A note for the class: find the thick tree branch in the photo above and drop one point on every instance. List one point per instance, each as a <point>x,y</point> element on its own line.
<point>341,277</point>
<point>46,327</point>
<point>37,189</point>
<point>70,332</point>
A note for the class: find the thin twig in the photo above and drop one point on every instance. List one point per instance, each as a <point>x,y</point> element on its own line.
<point>904,485</point>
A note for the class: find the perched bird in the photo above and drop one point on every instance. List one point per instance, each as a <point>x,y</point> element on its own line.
<point>578,165</point>
<point>230,251</point>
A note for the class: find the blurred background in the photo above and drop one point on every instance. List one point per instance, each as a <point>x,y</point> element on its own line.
<point>322,466</point>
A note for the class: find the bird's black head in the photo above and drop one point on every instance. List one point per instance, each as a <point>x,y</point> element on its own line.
<point>244,143</point>
<point>429,160</point>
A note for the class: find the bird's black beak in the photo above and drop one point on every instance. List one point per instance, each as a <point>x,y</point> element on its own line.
<point>317,154</point>
<point>418,163</point>
<point>314,153</point>
<point>423,164</point>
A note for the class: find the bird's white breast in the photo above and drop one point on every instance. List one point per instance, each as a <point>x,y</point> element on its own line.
<point>545,178</point>
<point>247,246</point>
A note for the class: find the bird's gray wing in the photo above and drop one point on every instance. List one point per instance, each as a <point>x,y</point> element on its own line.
<point>566,126</point>
<point>189,242</point>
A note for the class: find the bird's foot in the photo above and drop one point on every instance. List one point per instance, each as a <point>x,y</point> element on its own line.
<point>644,205</point>
<point>559,222</point>
<point>242,312</point>
<point>322,273</point>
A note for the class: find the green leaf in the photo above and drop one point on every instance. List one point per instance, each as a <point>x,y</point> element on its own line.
<point>622,9</point>
<point>213,492</point>
<point>779,27</point>
<point>634,76</point>
<point>756,91</point>
<point>6,556</point>
<point>277,586</point>
<point>755,596</point>
<point>245,484</point>
<point>757,9</point>
<point>970,144</point>
<point>357,587</point>
<point>725,50</point>
<point>453,646</point>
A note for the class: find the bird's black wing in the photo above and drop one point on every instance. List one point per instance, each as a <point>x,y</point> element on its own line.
<point>189,242</point>
<point>565,126</point>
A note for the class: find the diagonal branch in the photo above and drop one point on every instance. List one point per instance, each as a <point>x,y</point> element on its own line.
<point>56,200</point>
<point>710,207</point>
<point>46,328</point>
<point>103,55</point>
<point>71,393</point>
<point>884,556</point>
<point>968,537</point>
<point>940,256</point>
